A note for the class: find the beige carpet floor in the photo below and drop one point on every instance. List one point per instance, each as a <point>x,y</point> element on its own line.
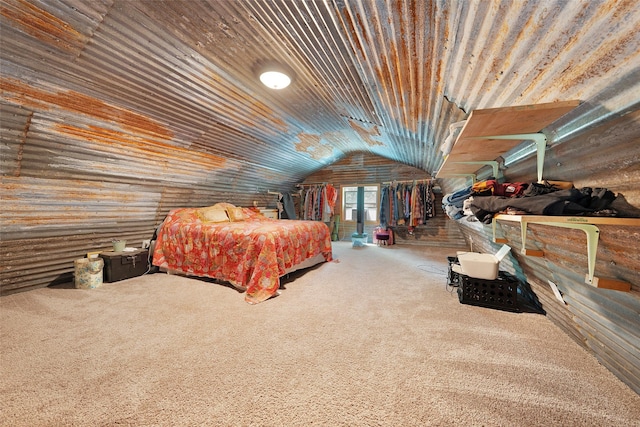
<point>371,339</point>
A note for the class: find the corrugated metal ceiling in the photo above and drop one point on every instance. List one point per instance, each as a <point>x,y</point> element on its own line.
<point>113,112</point>
<point>385,77</point>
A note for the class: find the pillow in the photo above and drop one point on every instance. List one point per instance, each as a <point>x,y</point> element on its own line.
<point>235,214</point>
<point>223,205</point>
<point>213,214</point>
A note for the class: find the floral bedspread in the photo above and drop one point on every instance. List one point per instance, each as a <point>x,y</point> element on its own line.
<point>251,254</point>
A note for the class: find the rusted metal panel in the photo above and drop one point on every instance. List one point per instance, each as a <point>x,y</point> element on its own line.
<point>365,168</point>
<point>391,65</point>
<point>495,54</point>
<point>15,122</point>
<point>113,112</point>
<point>48,27</point>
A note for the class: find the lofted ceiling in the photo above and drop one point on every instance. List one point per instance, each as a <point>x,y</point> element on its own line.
<point>114,112</point>
<point>177,79</point>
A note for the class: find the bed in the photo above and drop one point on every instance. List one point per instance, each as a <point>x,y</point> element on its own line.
<point>239,246</point>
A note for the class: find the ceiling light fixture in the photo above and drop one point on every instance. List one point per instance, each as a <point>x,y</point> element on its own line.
<point>276,76</point>
<point>275,79</point>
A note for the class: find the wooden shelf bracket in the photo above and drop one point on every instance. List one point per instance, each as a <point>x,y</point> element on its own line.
<point>523,238</point>
<point>494,165</point>
<point>538,138</point>
<point>593,234</point>
<point>473,176</point>
<point>590,230</point>
<point>579,223</point>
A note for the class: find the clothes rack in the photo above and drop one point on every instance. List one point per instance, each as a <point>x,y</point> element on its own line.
<point>407,181</point>
<point>313,184</point>
<point>408,203</point>
<point>317,201</point>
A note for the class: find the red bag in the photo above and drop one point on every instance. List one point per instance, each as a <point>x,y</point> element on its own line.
<point>510,189</point>
<point>491,187</point>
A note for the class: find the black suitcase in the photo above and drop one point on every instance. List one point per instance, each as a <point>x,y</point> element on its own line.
<point>124,265</point>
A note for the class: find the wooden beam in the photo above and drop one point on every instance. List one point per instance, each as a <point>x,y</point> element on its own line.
<point>533,252</point>
<point>615,284</point>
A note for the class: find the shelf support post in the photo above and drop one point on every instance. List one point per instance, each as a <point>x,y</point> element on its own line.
<point>590,230</point>
<point>593,234</point>
<point>473,176</point>
<point>494,226</point>
<point>523,237</point>
<point>492,163</point>
<point>538,138</point>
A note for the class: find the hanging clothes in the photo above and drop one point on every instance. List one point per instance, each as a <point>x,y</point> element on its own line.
<point>319,202</point>
<point>325,211</point>
<point>399,205</point>
<point>288,206</point>
<point>332,197</point>
<point>384,207</point>
<point>406,204</point>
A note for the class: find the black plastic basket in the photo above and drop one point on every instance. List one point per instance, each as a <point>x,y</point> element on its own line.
<point>453,278</point>
<point>501,293</point>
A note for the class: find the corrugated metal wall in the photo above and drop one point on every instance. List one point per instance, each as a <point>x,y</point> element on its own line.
<point>113,112</point>
<point>607,322</point>
<point>369,169</point>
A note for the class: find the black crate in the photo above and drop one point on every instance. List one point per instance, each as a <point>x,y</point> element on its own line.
<point>501,293</point>
<point>453,278</point>
<point>124,265</point>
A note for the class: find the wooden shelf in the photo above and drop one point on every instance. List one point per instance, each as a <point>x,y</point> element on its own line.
<point>586,224</point>
<point>600,220</point>
<point>490,133</point>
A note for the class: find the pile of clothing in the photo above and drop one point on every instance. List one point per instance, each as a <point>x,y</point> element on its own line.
<point>488,198</point>
<point>453,204</point>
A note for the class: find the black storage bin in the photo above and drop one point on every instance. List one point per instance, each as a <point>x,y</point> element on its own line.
<point>501,293</point>
<point>453,278</point>
<point>124,265</point>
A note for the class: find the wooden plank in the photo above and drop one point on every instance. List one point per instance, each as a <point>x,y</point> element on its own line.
<point>514,120</point>
<point>469,150</point>
<point>616,285</point>
<point>533,252</point>
<point>473,150</point>
<point>499,121</point>
<point>596,220</point>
